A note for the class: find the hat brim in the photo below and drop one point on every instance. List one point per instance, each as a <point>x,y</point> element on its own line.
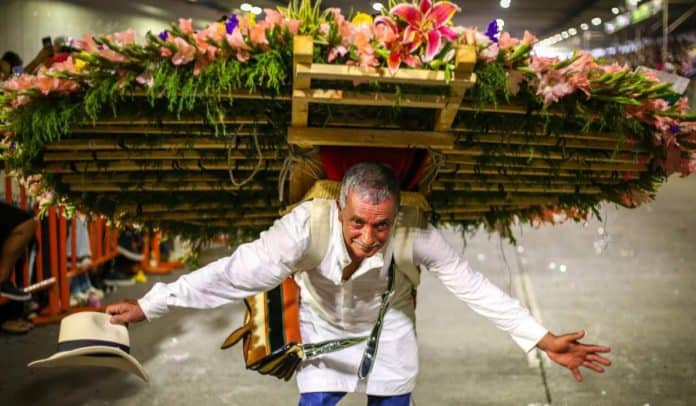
<point>100,356</point>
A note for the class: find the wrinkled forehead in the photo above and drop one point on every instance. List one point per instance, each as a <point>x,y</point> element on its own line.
<point>363,205</point>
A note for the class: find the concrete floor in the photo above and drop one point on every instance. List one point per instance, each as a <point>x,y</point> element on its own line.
<point>628,281</point>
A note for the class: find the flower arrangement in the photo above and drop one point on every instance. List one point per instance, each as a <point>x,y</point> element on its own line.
<point>182,70</point>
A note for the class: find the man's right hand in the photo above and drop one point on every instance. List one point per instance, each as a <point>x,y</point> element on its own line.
<point>128,311</point>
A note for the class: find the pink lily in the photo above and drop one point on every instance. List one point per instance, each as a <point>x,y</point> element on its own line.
<point>427,24</point>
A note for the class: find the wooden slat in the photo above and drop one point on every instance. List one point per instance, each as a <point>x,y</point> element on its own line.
<point>420,77</point>
<point>348,97</point>
<point>310,137</point>
<point>465,60</point>
<point>302,52</point>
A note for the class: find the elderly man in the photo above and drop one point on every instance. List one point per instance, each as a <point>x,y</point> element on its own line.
<point>347,289</point>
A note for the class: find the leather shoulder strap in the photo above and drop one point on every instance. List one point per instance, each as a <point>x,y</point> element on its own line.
<point>319,234</point>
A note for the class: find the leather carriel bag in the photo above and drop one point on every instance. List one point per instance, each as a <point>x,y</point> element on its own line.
<point>271,331</point>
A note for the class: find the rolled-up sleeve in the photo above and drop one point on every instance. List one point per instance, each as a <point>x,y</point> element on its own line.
<point>431,250</point>
<point>254,267</point>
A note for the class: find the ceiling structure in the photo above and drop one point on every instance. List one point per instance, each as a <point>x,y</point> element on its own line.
<point>543,18</point>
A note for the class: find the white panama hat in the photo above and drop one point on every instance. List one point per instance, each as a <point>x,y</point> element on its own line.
<point>89,339</point>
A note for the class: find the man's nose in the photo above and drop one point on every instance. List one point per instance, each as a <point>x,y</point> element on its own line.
<point>367,236</point>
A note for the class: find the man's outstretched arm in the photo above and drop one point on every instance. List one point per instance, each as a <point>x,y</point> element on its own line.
<point>254,267</point>
<point>567,351</point>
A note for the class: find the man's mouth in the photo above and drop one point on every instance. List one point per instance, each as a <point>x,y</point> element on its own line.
<point>364,247</point>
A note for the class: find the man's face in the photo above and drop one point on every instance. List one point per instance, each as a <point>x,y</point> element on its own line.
<point>366,227</point>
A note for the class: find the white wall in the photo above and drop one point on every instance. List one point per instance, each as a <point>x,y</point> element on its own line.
<point>24,22</point>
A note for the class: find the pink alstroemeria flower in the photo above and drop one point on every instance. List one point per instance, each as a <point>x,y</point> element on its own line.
<point>186,25</point>
<point>185,52</point>
<point>427,24</point>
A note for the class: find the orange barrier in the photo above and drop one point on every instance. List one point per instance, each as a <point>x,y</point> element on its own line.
<point>103,244</point>
<point>151,256</point>
<point>50,283</point>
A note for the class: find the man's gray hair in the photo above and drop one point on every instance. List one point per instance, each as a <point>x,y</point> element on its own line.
<point>372,182</point>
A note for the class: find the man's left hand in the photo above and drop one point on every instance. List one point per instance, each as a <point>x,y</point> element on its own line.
<point>567,351</point>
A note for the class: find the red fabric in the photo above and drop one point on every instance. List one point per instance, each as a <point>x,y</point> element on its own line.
<point>58,58</point>
<point>408,164</point>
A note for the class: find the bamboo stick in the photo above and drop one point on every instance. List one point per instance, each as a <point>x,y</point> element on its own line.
<point>509,180</point>
<point>144,177</point>
<point>471,105</point>
<point>114,144</point>
<point>141,166</point>
<point>160,207</point>
<point>151,155</point>
<point>484,208</point>
<point>539,164</point>
<point>511,198</point>
<point>151,187</point>
<point>224,215</point>
<point>543,154</point>
<point>244,94</point>
<point>126,120</point>
<point>257,223</point>
<point>149,131</point>
<point>517,188</point>
<point>564,141</point>
<point>483,171</point>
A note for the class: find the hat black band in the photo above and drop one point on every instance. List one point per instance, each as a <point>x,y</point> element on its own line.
<point>77,344</point>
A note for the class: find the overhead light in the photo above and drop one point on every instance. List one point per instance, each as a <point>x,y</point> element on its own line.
<point>505,3</point>
<point>596,21</point>
<point>378,7</point>
<point>565,35</point>
<point>572,31</point>
<point>256,10</point>
<point>615,10</point>
<point>584,27</point>
<point>246,7</point>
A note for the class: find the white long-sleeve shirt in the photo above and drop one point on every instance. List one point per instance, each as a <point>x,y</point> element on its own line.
<point>333,308</point>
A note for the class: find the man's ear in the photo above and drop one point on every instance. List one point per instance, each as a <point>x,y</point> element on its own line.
<point>340,211</point>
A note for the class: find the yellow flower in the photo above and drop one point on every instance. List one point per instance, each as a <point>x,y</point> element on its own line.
<point>252,19</point>
<point>80,63</point>
<point>220,28</point>
<point>362,18</point>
